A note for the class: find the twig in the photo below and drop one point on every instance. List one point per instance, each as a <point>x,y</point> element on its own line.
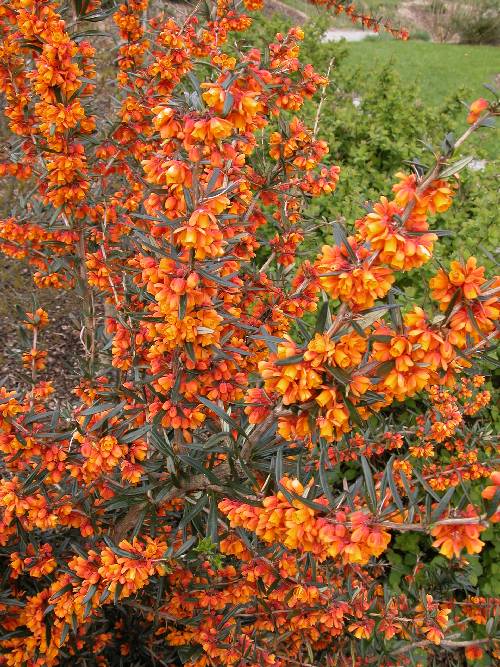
<point>199,482</point>
<point>445,643</point>
<point>322,98</point>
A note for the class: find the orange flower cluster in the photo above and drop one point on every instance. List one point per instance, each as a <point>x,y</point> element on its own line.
<point>351,275</point>
<point>56,79</point>
<point>451,539</point>
<point>72,596</point>
<point>354,537</point>
<point>226,482</point>
<point>128,19</point>
<point>474,301</point>
<point>432,619</point>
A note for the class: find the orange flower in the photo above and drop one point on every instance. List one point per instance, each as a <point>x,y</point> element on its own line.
<point>452,538</point>
<point>402,245</point>
<point>35,359</point>
<point>38,319</point>
<point>476,108</point>
<point>362,629</point>
<point>357,284</point>
<point>467,277</point>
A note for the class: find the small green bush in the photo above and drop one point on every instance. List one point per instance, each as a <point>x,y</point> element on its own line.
<point>478,22</point>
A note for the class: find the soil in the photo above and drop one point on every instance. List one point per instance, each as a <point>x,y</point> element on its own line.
<point>60,338</point>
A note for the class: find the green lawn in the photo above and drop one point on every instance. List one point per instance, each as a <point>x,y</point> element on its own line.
<point>440,69</point>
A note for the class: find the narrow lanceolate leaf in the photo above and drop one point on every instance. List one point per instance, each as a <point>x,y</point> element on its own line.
<point>112,413</point>
<point>367,319</point>
<point>341,239</point>
<point>185,547</point>
<point>370,486</point>
<point>223,415</point>
<point>426,486</point>
<point>443,504</point>
<point>456,167</point>
<point>191,512</point>
<point>339,375</point>
<point>353,413</point>
<point>324,320</point>
<point>182,306</point>
<point>395,312</point>
<point>323,476</point>
<point>295,359</point>
<point>212,525</point>
<point>118,550</point>
<point>228,104</point>
<point>278,465</point>
<point>90,593</point>
<point>136,434</point>
<point>98,407</point>
<point>64,634</point>
<point>451,306</point>
<point>392,485</point>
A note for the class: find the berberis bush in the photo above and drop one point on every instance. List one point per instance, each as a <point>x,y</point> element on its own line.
<point>254,437</point>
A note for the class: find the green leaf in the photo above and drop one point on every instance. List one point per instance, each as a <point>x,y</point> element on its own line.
<point>370,486</point>
<point>392,485</point>
<point>443,504</point>
<point>112,413</point>
<point>98,407</point>
<point>118,550</point>
<point>220,412</point>
<point>61,592</point>
<point>118,590</point>
<point>353,413</point>
<point>340,376</point>
<point>426,486</point>
<point>212,524</point>
<point>322,476</point>
<point>395,312</point>
<point>104,595</point>
<point>64,634</point>
<point>456,167</point>
<point>136,434</point>
<point>190,513</point>
<point>185,547</point>
<point>278,465</point>
<point>228,104</point>
<point>324,319</point>
<point>368,318</point>
<point>90,593</point>
<point>340,237</point>
<point>233,610</point>
<point>182,306</point>
<point>190,351</point>
<point>295,359</point>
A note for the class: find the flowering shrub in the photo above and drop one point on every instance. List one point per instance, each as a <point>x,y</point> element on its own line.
<point>227,483</point>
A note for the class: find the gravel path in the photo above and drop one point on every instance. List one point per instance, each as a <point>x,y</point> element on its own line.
<point>335,35</point>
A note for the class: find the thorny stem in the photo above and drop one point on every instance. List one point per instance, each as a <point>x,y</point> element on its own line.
<point>322,99</point>
<point>199,482</point>
<point>445,643</point>
<point>87,335</point>
<point>434,173</point>
<point>422,528</point>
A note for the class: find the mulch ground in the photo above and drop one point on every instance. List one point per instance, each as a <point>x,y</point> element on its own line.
<point>60,338</point>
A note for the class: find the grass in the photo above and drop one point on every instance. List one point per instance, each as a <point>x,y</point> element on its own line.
<point>440,71</point>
